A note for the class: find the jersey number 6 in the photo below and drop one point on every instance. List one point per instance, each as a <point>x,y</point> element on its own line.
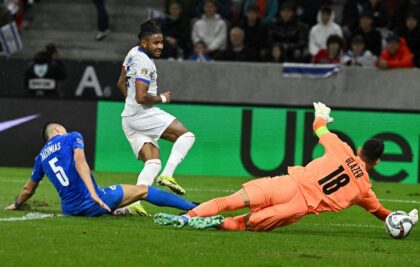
<point>59,172</point>
<point>334,181</point>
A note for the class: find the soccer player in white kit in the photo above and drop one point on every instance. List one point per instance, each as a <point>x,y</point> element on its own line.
<point>144,123</point>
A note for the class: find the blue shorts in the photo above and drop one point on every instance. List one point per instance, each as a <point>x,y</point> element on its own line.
<point>112,196</point>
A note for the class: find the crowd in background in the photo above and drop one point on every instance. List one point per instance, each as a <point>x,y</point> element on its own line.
<point>381,33</point>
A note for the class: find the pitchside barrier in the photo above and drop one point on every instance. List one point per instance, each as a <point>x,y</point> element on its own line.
<point>230,140</point>
<point>236,83</point>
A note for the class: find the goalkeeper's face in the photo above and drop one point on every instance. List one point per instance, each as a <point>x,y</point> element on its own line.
<point>153,44</point>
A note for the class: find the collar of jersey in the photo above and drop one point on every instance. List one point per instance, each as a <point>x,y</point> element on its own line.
<point>54,137</point>
<point>141,50</point>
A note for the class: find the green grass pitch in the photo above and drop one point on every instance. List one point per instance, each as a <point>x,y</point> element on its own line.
<point>350,238</point>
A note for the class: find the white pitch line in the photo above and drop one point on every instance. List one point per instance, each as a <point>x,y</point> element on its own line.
<point>345,225</point>
<point>13,181</point>
<point>29,217</point>
<point>400,201</point>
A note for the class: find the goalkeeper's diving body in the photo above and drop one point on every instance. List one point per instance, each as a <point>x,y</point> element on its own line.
<point>62,160</point>
<point>332,182</point>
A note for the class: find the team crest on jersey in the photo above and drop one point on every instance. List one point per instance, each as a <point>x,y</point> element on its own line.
<point>144,71</point>
<point>80,141</point>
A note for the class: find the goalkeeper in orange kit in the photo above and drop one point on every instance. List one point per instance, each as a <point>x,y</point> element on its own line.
<point>332,182</point>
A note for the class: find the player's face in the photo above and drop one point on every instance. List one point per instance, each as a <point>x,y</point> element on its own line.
<point>153,45</point>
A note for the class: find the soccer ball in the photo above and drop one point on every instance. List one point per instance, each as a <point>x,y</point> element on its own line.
<point>398,225</point>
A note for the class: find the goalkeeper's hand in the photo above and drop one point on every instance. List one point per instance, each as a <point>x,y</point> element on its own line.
<point>413,216</point>
<point>321,110</point>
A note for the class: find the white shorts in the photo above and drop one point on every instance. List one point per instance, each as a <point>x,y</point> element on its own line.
<point>146,127</point>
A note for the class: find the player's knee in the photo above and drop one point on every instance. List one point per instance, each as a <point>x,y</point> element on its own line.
<point>154,164</point>
<point>142,191</point>
<point>190,136</point>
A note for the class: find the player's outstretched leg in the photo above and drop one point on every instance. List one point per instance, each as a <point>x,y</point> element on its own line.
<point>155,196</point>
<point>183,141</point>
<point>206,222</point>
<point>169,219</point>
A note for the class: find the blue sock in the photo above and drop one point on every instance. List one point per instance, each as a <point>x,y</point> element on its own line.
<point>162,198</point>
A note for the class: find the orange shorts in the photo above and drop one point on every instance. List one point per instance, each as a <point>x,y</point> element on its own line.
<point>274,202</point>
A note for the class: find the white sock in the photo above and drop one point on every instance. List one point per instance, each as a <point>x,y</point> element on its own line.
<point>179,150</point>
<point>150,171</point>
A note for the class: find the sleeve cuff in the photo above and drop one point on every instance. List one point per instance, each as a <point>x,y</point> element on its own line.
<point>143,80</point>
<point>321,130</point>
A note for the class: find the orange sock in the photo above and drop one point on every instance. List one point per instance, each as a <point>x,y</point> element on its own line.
<point>234,224</point>
<point>217,205</point>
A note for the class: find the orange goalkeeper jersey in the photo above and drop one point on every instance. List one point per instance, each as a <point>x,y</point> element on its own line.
<point>336,180</point>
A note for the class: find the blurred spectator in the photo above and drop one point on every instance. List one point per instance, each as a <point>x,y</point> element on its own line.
<point>5,18</point>
<point>276,55</point>
<point>373,38</point>
<point>52,52</point>
<point>15,8</point>
<point>290,33</point>
<point>224,8</point>
<point>396,54</point>
<point>357,55</point>
<point>324,28</point>
<point>332,54</point>
<point>351,13</point>
<point>307,10</point>
<point>405,7</point>
<point>255,32</point>
<point>42,76</point>
<point>410,31</point>
<point>379,12</point>
<point>102,17</point>
<point>237,50</point>
<point>267,9</point>
<point>211,29</point>
<point>5,15</point>
<point>188,8</point>
<point>200,53</point>
<point>176,32</point>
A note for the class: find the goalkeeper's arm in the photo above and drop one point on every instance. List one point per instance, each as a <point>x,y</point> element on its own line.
<point>320,126</point>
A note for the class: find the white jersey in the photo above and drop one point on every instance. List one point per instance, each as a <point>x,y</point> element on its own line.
<point>139,66</point>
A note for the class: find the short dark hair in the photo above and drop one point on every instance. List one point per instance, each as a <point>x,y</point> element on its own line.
<point>326,9</point>
<point>200,42</point>
<point>45,127</point>
<point>334,39</point>
<point>210,1</point>
<point>254,8</point>
<point>358,39</point>
<point>373,149</point>
<point>148,28</point>
<point>44,130</point>
<point>50,49</point>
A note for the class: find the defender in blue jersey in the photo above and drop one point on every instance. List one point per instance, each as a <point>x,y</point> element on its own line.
<point>63,161</point>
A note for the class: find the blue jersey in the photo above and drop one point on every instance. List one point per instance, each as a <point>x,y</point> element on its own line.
<point>56,160</point>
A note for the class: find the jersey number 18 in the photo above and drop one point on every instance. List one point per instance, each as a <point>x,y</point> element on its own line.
<point>334,181</point>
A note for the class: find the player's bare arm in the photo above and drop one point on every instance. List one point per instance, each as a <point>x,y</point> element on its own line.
<point>121,82</point>
<point>142,97</point>
<point>84,171</point>
<point>27,192</point>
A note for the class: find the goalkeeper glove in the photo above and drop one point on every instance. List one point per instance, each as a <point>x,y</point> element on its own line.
<point>414,216</point>
<point>321,110</point>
